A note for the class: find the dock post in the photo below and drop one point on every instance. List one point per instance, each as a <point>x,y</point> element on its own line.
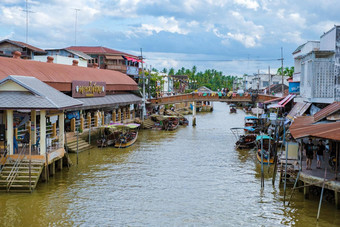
<point>73,125</point>
<point>194,106</point>
<point>321,196</point>
<point>103,118</point>
<point>262,173</point>
<point>89,120</point>
<point>306,192</point>
<point>119,115</point>
<point>337,199</point>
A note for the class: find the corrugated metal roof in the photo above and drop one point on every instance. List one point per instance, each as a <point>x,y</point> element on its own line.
<point>313,130</point>
<point>99,50</point>
<point>328,110</point>
<point>79,54</point>
<point>61,76</point>
<point>274,100</point>
<point>22,45</point>
<point>298,109</point>
<point>38,96</point>
<point>110,100</point>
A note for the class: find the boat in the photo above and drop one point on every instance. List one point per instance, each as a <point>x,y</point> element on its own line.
<point>267,147</point>
<point>170,123</point>
<point>232,108</point>
<point>252,124</point>
<point>244,141</point>
<point>118,135</point>
<point>247,109</point>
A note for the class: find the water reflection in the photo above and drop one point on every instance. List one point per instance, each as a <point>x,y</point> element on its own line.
<point>190,177</point>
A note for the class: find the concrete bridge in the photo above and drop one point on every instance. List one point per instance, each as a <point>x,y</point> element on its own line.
<point>195,97</point>
<point>213,97</point>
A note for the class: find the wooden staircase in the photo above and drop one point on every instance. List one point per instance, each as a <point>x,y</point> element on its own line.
<point>82,145</point>
<point>20,180</point>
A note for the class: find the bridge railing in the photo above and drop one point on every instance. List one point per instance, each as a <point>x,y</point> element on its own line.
<point>210,97</point>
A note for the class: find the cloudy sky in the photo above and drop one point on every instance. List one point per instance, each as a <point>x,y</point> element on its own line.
<point>233,36</point>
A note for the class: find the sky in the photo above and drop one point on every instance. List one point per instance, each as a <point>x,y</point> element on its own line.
<point>232,36</point>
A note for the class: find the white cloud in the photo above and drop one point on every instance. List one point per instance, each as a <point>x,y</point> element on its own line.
<point>164,24</point>
<point>250,4</point>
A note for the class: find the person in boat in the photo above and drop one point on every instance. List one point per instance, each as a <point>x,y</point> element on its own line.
<point>309,154</point>
<point>319,154</point>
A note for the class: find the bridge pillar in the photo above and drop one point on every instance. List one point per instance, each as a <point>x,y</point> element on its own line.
<point>194,106</point>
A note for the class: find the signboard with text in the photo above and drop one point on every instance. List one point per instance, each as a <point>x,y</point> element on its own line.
<point>82,89</point>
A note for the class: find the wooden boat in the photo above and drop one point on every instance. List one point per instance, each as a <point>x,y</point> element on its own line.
<point>232,108</point>
<point>267,149</point>
<point>118,135</point>
<point>170,123</point>
<point>244,141</point>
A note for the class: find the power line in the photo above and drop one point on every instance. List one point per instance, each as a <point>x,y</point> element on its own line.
<point>219,60</point>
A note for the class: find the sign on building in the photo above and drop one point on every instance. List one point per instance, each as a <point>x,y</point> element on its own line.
<point>82,89</point>
<point>131,70</point>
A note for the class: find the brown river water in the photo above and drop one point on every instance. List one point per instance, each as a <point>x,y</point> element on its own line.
<point>189,177</point>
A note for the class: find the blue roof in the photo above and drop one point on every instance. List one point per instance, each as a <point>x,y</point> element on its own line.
<point>250,118</point>
<point>251,129</point>
<point>265,137</point>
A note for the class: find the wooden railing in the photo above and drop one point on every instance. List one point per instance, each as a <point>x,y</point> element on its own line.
<point>200,97</point>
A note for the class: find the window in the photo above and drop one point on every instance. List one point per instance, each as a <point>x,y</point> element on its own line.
<point>276,82</point>
<point>265,83</point>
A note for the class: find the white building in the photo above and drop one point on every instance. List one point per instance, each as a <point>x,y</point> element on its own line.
<point>262,81</point>
<point>317,65</point>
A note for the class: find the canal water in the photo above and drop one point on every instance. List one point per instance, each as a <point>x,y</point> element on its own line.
<point>189,177</point>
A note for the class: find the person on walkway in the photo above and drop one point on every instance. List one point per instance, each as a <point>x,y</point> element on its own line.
<point>319,154</point>
<point>309,154</point>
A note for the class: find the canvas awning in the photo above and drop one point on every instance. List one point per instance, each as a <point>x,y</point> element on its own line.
<point>116,57</point>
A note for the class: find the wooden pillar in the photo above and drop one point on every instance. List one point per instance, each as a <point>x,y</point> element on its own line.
<point>34,125</point>
<point>337,199</point>
<point>103,118</point>
<point>81,123</point>
<point>73,124</point>
<point>42,132</point>
<point>9,132</point>
<point>124,114</point>
<point>61,129</point>
<point>114,115</point>
<point>54,130</point>
<point>52,168</point>
<point>194,106</point>
<point>60,164</point>
<point>89,120</point>
<point>128,114</point>
<point>96,120</point>
<point>133,114</point>
<point>119,115</point>
<point>306,192</point>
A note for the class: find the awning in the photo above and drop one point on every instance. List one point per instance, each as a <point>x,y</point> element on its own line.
<point>132,59</point>
<point>298,110</point>
<point>273,100</point>
<point>109,101</point>
<point>116,57</point>
<point>283,102</point>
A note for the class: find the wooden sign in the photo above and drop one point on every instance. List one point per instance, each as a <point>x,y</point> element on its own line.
<point>82,89</point>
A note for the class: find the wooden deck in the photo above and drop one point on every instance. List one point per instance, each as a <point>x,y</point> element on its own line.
<point>316,176</point>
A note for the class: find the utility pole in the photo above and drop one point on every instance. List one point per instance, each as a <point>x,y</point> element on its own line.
<point>27,12</point>
<point>258,81</point>
<point>75,27</point>
<point>143,105</point>
<point>283,86</point>
<point>270,79</point>
<point>149,83</point>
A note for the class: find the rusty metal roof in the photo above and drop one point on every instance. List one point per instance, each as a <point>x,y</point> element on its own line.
<point>22,45</point>
<point>61,76</point>
<point>328,110</point>
<point>304,127</point>
<point>98,50</point>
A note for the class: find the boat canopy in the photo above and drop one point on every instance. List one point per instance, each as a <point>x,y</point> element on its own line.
<point>133,125</point>
<point>265,137</point>
<point>232,105</point>
<point>250,129</point>
<point>250,118</point>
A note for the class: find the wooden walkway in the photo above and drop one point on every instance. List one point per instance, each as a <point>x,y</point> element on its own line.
<point>194,97</point>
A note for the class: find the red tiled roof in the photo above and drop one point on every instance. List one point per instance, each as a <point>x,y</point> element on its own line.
<point>328,110</point>
<point>22,44</point>
<point>99,50</point>
<point>61,76</point>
